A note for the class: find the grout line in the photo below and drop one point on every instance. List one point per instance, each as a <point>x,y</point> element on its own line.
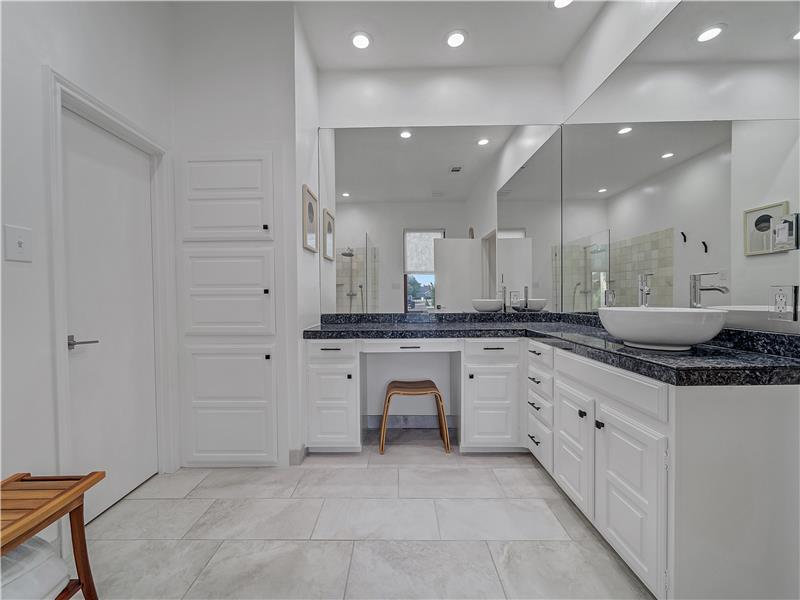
<point>200,572</point>
<point>316,521</point>
<point>197,520</point>
<point>349,566</point>
<point>186,495</point>
<point>436,514</point>
<point>496,570</point>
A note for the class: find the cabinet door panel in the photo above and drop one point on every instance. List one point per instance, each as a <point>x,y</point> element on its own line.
<point>631,492</point>
<point>491,405</point>
<point>333,418</point>
<point>573,440</point>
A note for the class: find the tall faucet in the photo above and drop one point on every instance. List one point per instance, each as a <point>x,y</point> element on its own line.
<point>644,289</point>
<point>696,288</point>
<point>504,299</point>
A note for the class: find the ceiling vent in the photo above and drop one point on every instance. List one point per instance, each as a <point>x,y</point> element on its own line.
<point>456,169</point>
<point>437,195</point>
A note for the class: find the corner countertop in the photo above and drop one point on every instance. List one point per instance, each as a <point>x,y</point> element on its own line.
<point>705,364</point>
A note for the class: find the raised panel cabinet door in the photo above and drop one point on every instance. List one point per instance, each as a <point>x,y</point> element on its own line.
<point>573,445</point>
<point>333,418</point>
<point>491,411</point>
<point>630,492</point>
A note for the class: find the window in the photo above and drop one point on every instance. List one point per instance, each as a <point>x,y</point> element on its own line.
<point>419,280</point>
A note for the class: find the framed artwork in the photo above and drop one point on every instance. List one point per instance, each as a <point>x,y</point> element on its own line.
<point>757,232</point>
<point>310,220</point>
<point>328,235</point>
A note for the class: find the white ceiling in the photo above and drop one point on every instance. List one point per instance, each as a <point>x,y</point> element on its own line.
<point>412,34</point>
<point>754,31</point>
<point>596,157</point>
<point>376,165</point>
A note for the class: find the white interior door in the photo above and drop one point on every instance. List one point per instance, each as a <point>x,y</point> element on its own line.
<point>112,410</point>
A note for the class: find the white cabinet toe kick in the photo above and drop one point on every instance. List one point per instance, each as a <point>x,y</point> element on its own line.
<point>685,483</point>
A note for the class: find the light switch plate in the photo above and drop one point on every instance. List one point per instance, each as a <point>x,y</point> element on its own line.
<point>783,302</point>
<point>18,243</point>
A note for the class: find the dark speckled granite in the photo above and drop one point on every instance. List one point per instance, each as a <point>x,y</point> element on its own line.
<point>736,357</point>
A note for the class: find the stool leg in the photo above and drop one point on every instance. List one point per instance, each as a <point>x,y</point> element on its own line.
<point>384,422</point>
<point>81,554</point>
<point>443,419</point>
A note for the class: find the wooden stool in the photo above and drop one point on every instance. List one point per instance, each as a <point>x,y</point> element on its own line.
<point>415,388</point>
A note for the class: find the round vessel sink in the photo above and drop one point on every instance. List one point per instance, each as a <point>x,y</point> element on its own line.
<point>662,328</point>
<point>487,304</point>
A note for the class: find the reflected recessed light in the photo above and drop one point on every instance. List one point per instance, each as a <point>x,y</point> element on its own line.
<point>602,191</point>
<point>625,130</point>
<point>345,194</point>
<point>796,36</point>
<point>405,134</point>
<point>483,142</point>
<point>561,3</point>
<point>456,38</point>
<point>710,33</point>
<point>361,40</point>
<point>668,155</point>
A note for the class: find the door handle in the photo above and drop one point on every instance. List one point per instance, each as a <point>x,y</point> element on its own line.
<point>72,342</point>
<point>581,413</point>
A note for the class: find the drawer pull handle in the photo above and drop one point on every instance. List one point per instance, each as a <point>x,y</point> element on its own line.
<point>330,349</point>
<point>581,413</point>
<point>599,424</point>
<point>471,376</point>
<point>534,406</point>
<point>533,439</point>
<point>535,352</point>
<point>534,380</point>
<point>494,348</point>
<point>409,347</point>
<point>349,376</point>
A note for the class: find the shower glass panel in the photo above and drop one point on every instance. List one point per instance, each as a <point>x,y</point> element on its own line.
<point>357,271</point>
<point>586,271</point>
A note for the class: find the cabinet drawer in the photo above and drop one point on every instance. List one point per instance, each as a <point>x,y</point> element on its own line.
<point>411,346</point>
<point>540,354</point>
<point>540,382</point>
<point>333,349</point>
<point>541,408</point>
<point>647,395</point>
<point>496,350</point>
<point>540,442</point>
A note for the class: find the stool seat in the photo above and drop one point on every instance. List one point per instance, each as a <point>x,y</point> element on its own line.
<point>423,387</point>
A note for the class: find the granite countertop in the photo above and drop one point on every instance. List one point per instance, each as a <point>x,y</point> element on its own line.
<point>704,364</point>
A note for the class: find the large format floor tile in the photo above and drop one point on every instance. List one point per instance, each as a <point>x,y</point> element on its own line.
<point>563,570</point>
<point>441,482</point>
<point>326,460</point>
<point>170,485</point>
<point>577,525</point>
<point>499,459</point>
<point>147,519</point>
<point>347,483</point>
<point>527,483</point>
<point>377,519</point>
<point>246,482</point>
<point>412,454</point>
<point>275,569</point>
<point>257,519</point>
<point>506,519</point>
<point>382,569</point>
<point>148,568</point>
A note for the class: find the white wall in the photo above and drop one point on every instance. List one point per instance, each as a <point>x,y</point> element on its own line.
<point>765,160</point>
<point>90,44</point>
<point>385,222</point>
<point>327,199</point>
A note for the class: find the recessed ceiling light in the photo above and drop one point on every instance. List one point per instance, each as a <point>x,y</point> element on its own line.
<point>668,155</point>
<point>710,33</point>
<point>405,134</point>
<point>796,36</point>
<point>456,38</point>
<point>602,191</point>
<point>625,130</point>
<point>345,194</point>
<point>361,40</point>
<point>483,142</point>
<point>561,3</point>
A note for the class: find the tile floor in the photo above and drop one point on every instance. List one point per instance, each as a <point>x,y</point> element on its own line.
<point>413,523</point>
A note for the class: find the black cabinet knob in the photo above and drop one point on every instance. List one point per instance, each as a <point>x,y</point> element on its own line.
<point>581,413</point>
<point>265,227</point>
<point>349,376</point>
<point>471,376</point>
<point>599,424</point>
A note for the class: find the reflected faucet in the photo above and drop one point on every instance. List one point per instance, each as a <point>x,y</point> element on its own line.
<point>644,289</point>
<point>696,289</point>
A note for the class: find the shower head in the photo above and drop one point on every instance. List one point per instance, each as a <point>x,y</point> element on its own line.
<point>348,253</point>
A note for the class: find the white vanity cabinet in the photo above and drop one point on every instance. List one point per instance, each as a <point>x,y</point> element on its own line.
<point>334,420</point>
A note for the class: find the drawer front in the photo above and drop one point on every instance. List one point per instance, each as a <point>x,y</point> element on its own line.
<point>411,346</point>
<point>646,395</point>
<point>540,354</point>
<point>540,442</point>
<point>493,350</point>
<point>540,382</point>
<point>541,408</point>
<point>331,349</point>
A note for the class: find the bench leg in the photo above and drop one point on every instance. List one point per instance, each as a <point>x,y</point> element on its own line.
<point>384,423</point>
<point>443,423</point>
<point>81,554</point>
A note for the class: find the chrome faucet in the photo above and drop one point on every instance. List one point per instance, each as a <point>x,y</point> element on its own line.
<point>644,289</point>
<point>525,296</point>
<point>696,288</point>
<point>505,306</point>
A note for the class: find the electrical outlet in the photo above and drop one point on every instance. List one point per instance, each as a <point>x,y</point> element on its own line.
<point>783,302</point>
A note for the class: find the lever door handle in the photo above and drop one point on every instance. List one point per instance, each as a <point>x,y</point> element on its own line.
<point>72,342</point>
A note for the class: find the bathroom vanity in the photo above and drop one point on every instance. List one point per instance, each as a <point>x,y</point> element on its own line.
<point>673,457</point>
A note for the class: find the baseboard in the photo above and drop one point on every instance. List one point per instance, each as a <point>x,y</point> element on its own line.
<point>296,457</point>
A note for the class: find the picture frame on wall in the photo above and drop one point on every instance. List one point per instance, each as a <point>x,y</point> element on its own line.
<point>757,227</point>
<point>310,220</point>
<point>328,235</point>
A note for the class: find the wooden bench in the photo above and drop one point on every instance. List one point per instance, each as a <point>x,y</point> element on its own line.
<point>424,387</point>
<point>30,504</point>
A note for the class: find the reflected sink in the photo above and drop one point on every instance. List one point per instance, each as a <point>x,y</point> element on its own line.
<point>487,304</point>
<point>662,328</point>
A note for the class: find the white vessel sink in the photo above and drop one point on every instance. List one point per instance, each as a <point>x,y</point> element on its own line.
<point>487,304</point>
<point>662,328</point>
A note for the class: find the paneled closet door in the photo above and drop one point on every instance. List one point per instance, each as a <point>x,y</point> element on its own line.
<point>631,492</point>
<point>573,441</point>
